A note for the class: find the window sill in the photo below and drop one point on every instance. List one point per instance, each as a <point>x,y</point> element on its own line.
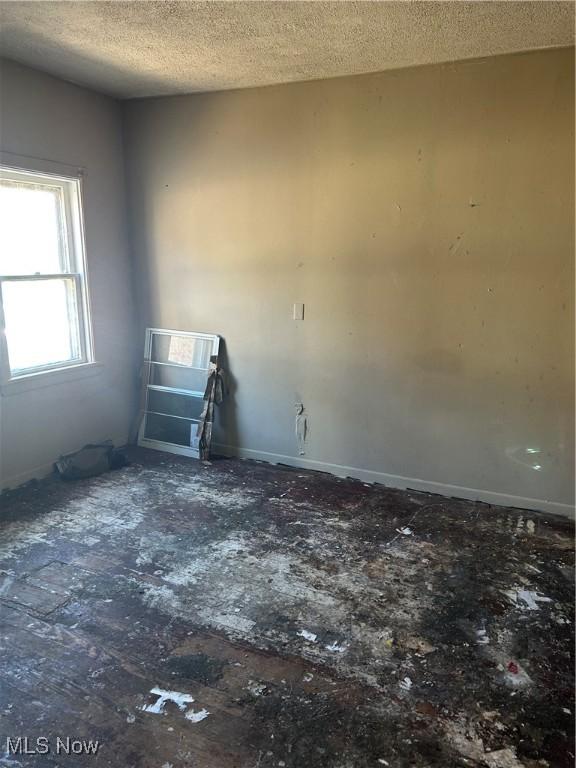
<point>33,381</point>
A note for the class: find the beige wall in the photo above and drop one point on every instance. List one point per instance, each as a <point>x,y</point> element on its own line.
<point>43,117</point>
<point>425,218</point>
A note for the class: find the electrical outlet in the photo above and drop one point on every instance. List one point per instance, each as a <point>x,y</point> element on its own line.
<point>298,312</point>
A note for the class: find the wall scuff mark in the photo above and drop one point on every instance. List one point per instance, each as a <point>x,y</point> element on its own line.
<point>301,428</point>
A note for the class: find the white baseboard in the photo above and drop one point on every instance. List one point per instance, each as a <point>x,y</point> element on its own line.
<point>402,483</point>
<point>36,473</point>
<point>42,471</point>
<point>366,475</point>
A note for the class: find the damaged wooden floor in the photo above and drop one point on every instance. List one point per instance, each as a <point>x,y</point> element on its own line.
<point>238,615</point>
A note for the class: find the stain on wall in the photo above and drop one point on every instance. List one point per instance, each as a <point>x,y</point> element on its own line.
<point>301,428</point>
<point>424,217</point>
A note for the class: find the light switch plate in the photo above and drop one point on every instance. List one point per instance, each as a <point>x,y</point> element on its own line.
<point>298,312</point>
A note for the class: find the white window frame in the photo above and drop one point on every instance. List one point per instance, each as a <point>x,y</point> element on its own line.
<point>76,267</point>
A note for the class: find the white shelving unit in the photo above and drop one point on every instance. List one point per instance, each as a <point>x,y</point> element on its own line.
<point>176,367</point>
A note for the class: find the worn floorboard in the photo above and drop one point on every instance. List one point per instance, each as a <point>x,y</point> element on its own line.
<point>290,618</point>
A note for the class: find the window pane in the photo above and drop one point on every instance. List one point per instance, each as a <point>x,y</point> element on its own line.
<point>175,404</point>
<point>178,377</point>
<point>170,430</point>
<point>181,350</point>
<point>41,319</point>
<point>32,229</point>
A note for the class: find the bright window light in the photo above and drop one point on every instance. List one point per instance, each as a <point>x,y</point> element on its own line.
<point>43,293</point>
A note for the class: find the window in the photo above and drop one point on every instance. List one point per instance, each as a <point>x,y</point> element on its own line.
<point>43,291</point>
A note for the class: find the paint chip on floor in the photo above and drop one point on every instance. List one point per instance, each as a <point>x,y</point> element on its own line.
<point>482,637</point>
<point>159,706</point>
<point>337,647</point>
<point>196,717</point>
<point>255,688</point>
<point>527,597</point>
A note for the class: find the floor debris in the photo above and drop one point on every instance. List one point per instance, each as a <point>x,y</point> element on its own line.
<point>526,598</point>
<point>309,629</point>
<point>337,647</point>
<point>405,684</point>
<point>482,637</point>
<point>158,707</point>
<point>196,717</point>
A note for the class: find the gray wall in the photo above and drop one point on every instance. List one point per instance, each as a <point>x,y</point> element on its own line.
<point>425,217</point>
<point>46,118</point>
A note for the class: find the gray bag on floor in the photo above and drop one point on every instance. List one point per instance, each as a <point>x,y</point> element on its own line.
<point>90,461</point>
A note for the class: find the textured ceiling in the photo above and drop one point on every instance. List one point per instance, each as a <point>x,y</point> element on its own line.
<point>148,48</point>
